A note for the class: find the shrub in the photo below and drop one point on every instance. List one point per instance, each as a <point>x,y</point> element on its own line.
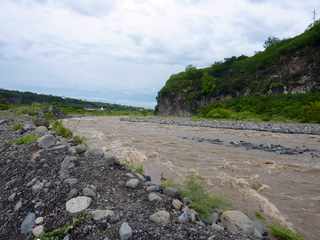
<point>219,113</point>
<point>26,139</point>
<point>60,130</point>
<point>79,140</point>
<point>312,112</point>
<point>282,233</point>
<point>4,107</point>
<point>17,126</point>
<point>135,167</point>
<point>201,200</point>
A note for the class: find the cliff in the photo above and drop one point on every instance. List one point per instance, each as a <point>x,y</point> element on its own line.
<point>284,67</point>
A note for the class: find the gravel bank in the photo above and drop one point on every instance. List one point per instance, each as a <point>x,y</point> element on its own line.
<point>294,128</point>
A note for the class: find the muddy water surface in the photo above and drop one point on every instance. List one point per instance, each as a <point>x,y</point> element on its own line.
<point>283,185</point>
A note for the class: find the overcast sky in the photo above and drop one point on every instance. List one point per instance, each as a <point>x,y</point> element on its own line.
<point>123,51</point>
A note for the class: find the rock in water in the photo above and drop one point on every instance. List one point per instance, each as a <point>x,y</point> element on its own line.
<point>125,231</point>
<point>47,141</point>
<point>236,221</point>
<point>78,204</point>
<point>161,217</point>
<point>28,223</point>
<point>132,183</point>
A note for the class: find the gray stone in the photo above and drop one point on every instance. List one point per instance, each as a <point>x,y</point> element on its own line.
<point>18,205</point>
<point>82,148</point>
<point>161,217</point>
<point>38,230</point>
<point>73,193</point>
<point>177,204</point>
<point>78,204</point>
<point>47,141</point>
<point>132,183</point>
<point>171,192</point>
<point>102,214</point>
<point>37,187</point>
<point>130,175</point>
<point>125,231</point>
<point>28,223</point>
<point>11,197</point>
<point>236,221</point>
<point>71,181</point>
<point>89,192</point>
<point>154,197</point>
<point>28,127</point>
<point>217,227</point>
<point>188,215</point>
<point>153,188</point>
<point>41,131</point>
<point>66,237</point>
<point>95,152</point>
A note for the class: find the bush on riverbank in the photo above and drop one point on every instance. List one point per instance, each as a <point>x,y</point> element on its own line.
<point>291,107</point>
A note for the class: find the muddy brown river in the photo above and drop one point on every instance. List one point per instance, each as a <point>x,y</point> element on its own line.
<point>281,181</point>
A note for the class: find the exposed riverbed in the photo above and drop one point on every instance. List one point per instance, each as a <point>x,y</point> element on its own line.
<point>275,173</point>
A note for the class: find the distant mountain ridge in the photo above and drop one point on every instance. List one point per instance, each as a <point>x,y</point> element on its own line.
<point>286,66</point>
<point>25,98</point>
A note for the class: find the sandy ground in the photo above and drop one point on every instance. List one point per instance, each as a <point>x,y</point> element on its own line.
<point>284,187</point>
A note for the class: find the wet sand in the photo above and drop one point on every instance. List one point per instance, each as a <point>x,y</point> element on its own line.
<point>285,187</point>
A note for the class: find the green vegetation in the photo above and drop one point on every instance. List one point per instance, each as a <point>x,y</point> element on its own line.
<point>60,130</point>
<point>282,233</point>
<point>292,107</point>
<point>260,216</point>
<point>79,140</point>
<point>257,75</point>
<point>61,232</point>
<point>17,126</point>
<point>26,139</point>
<point>135,167</point>
<point>201,200</point>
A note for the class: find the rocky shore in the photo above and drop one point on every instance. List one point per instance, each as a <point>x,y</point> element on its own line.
<point>294,128</point>
<point>56,189</point>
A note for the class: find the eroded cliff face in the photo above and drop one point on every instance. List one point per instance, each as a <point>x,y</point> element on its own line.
<point>295,73</point>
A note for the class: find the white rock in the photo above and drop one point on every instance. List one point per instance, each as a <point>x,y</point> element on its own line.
<point>154,197</point>
<point>125,231</point>
<point>78,204</point>
<point>38,230</point>
<point>132,183</point>
<point>39,220</point>
<point>161,217</point>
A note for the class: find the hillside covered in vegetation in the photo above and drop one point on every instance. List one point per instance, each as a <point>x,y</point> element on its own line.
<point>285,68</point>
<point>28,100</point>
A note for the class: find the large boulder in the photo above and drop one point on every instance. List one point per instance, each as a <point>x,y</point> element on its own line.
<point>78,204</point>
<point>47,141</point>
<point>236,221</point>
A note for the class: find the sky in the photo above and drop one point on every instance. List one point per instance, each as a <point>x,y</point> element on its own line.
<point>123,51</point>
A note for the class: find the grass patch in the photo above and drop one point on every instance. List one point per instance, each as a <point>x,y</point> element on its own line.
<point>260,216</point>
<point>26,139</point>
<point>135,167</point>
<point>168,183</point>
<point>283,233</point>
<point>60,130</point>
<point>16,127</point>
<point>201,200</point>
<point>79,140</point>
<point>59,233</point>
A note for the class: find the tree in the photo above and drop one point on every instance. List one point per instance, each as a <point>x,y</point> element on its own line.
<point>271,41</point>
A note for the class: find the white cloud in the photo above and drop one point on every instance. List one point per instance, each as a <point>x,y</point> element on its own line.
<point>135,44</point>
